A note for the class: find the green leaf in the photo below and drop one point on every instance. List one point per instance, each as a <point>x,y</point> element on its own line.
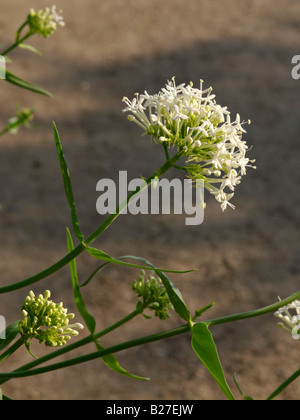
<point>17,81</point>
<point>246,398</point>
<point>10,333</point>
<point>79,301</point>
<point>100,255</point>
<point>27,345</point>
<point>94,273</point>
<point>111,361</point>
<point>205,348</point>
<point>30,48</point>
<point>67,185</point>
<point>175,297</point>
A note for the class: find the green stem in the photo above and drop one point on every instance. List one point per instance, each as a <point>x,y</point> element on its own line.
<point>81,247</point>
<point>284,385</point>
<point>4,132</point>
<point>24,370</point>
<point>76,345</point>
<point>97,354</point>
<point>258,312</point>
<point>16,44</point>
<point>19,343</point>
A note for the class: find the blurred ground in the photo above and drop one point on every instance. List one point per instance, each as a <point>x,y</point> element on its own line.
<point>246,258</point>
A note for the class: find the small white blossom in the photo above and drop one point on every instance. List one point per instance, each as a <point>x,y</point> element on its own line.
<point>290,315</point>
<point>191,120</point>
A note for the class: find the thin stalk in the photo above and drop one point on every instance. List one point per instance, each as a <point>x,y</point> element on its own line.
<point>4,132</point>
<point>19,343</point>
<point>257,312</point>
<point>82,247</point>
<point>16,44</point>
<point>98,354</point>
<point>76,345</point>
<point>25,370</point>
<point>284,385</point>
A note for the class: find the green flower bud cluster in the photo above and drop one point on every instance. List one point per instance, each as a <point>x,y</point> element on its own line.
<point>44,22</point>
<point>154,296</point>
<point>46,321</point>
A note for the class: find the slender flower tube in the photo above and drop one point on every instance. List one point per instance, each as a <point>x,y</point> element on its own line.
<point>191,120</point>
<point>46,321</point>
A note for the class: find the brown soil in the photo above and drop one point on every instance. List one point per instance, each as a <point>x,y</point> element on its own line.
<point>246,258</point>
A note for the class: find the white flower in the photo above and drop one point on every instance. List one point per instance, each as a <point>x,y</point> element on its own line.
<point>292,320</point>
<point>191,120</point>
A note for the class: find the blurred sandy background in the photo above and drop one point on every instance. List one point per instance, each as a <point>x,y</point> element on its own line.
<point>246,258</point>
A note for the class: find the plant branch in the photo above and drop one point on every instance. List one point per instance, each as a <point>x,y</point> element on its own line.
<point>98,354</point>
<point>82,247</point>
<point>284,385</point>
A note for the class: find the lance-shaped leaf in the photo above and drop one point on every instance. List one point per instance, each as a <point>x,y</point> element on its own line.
<point>101,255</point>
<point>24,84</point>
<point>205,348</point>
<point>67,185</point>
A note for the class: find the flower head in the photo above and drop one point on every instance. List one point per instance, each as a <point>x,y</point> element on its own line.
<point>44,22</point>
<point>154,296</point>
<point>46,321</point>
<point>191,120</point>
<point>290,314</point>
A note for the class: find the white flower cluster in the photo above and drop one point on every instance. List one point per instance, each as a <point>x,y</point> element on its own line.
<point>291,320</point>
<point>190,119</point>
<point>44,22</point>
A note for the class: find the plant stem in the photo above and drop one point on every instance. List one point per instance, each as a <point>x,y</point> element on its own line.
<point>257,312</point>
<point>284,385</point>
<point>76,345</point>
<point>81,247</point>
<point>25,370</point>
<point>96,355</point>
<point>15,45</point>
<point>11,349</point>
